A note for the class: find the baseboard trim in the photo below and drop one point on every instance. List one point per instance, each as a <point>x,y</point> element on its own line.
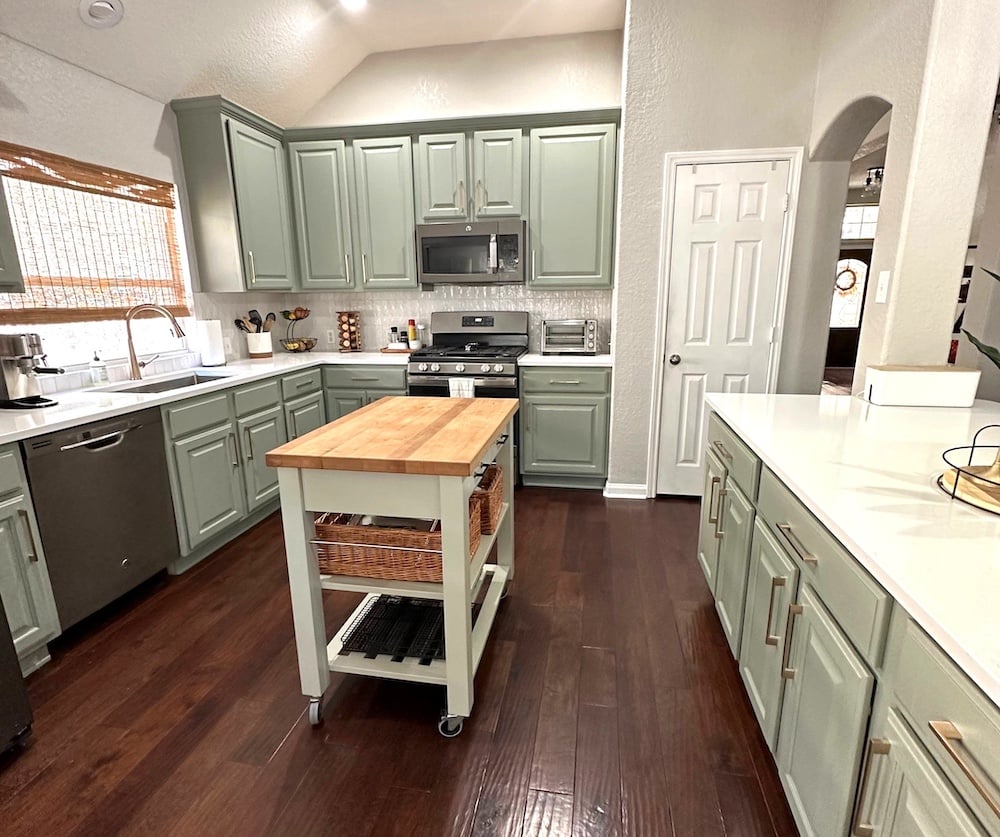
<point>625,491</point>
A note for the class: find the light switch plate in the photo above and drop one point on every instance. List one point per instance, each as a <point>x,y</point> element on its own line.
<point>882,289</point>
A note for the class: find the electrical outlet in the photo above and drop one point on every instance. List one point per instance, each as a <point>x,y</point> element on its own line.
<point>331,337</point>
<point>882,289</point>
<point>227,346</point>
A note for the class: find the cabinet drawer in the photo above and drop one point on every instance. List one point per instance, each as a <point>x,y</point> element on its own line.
<point>10,469</point>
<point>743,466</point>
<point>930,689</point>
<point>860,606</point>
<point>256,397</point>
<point>196,414</point>
<point>364,377</point>
<point>565,379</point>
<point>301,383</point>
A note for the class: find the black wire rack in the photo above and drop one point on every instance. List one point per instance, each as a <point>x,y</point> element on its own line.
<point>973,459</point>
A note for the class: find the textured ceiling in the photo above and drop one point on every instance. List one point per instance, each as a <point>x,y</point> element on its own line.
<point>279,57</point>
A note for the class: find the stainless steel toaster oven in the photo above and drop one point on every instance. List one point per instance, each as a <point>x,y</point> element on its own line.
<point>570,337</point>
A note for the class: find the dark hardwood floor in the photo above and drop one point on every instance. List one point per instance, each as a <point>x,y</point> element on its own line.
<point>607,703</point>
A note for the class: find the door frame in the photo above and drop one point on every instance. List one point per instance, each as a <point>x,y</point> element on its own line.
<point>673,160</point>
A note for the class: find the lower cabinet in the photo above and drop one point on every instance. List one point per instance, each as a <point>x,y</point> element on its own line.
<point>348,388</point>
<point>305,414</point>
<point>258,434</point>
<point>340,402</point>
<point>708,526</point>
<point>736,516</point>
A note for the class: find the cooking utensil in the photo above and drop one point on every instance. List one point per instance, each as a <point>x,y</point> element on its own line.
<point>256,320</point>
<point>269,321</point>
<point>241,325</point>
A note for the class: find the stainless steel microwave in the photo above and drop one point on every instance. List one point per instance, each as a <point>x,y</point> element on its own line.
<point>480,253</point>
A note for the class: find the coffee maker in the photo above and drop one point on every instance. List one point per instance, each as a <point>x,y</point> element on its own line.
<point>21,358</point>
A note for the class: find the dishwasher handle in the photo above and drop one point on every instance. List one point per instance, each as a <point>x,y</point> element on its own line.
<point>94,444</point>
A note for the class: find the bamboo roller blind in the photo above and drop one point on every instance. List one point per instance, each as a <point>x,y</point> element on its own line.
<point>92,241</point>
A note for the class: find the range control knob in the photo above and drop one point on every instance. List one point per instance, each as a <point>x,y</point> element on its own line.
<point>422,367</point>
<point>498,367</point>
<point>459,367</point>
<point>484,368</point>
<point>435,367</point>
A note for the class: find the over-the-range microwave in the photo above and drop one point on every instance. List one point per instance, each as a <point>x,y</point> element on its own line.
<point>477,253</point>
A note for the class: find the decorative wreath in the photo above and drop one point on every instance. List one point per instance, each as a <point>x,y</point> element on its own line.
<point>846,281</point>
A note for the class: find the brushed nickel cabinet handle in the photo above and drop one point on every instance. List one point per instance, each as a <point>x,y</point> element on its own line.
<point>364,268</point>
<point>253,268</point>
<point>564,383</point>
<point>355,378</point>
<point>32,547</point>
<point>711,500</point>
<point>721,448</point>
<point>793,611</point>
<point>723,493</point>
<point>235,462</point>
<point>769,638</point>
<point>249,438</point>
<point>347,268</point>
<point>876,747</point>
<point>534,272</point>
<point>797,545</point>
<point>950,736</point>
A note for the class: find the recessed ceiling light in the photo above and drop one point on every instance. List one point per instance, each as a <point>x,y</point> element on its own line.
<point>101,14</point>
<point>354,5</point>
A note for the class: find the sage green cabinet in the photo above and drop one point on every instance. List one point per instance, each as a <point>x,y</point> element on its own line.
<point>258,434</point>
<point>772,583</point>
<point>383,170</point>
<point>25,592</point>
<point>340,402</point>
<point>571,211</point>
<point>708,523</point>
<point>736,526</point>
<point>321,204</point>
<point>827,702</point>
<point>565,434</point>
<point>349,387</point>
<point>451,185</point>
<point>11,278</point>
<point>305,414</point>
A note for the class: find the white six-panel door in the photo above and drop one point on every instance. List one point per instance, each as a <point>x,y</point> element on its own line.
<point>724,263</point>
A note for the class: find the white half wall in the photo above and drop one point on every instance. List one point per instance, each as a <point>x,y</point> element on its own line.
<point>527,75</point>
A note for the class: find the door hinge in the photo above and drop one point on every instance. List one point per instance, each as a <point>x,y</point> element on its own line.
<point>774,333</point>
<point>784,206</point>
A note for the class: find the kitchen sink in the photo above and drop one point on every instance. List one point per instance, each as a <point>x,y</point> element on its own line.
<point>188,379</point>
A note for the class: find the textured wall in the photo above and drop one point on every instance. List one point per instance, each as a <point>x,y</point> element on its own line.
<point>710,75</point>
<point>529,75</point>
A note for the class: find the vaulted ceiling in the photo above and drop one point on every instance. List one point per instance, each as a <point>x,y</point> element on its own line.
<point>278,57</point>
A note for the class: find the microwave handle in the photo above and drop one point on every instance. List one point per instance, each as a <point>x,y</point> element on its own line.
<point>494,261</point>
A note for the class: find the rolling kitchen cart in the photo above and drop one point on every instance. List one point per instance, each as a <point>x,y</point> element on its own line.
<point>400,457</point>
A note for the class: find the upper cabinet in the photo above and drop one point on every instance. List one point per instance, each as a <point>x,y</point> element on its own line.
<point>237,188</point>
<point>11,280</point>
<point>572,176</point>
<point>468,177</point>
<point>383,171</point>
<point>322,214</point>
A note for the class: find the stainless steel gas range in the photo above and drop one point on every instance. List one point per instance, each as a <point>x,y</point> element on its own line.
<point>480,345</point>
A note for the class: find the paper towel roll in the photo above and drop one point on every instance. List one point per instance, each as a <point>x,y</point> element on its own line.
<point>208,334</point>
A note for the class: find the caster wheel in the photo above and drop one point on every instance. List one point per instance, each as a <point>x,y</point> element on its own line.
<point>450,726</point>
<point>315,712</point>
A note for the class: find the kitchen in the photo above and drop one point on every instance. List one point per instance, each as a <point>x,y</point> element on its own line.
<point>141,135</point>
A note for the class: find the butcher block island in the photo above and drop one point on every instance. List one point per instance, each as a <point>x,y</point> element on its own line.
<point>393,467</point>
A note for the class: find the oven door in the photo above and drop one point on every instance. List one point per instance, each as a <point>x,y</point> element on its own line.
<point>437,385</point>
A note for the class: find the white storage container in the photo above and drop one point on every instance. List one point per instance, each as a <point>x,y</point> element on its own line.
<point>921,386</point>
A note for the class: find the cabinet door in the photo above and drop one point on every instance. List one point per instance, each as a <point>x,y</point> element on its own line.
<point>496,157</point>
<point>383,171</point>
<point>708,527</point>
<point>210,481</point>
<point>772,583</point>
<point>260,182</point>
<point>442,190</point>
<point>322,214</point>
<point>305,414</point>
<point>907,795</point>
<point>565,434</point>
<point>373,395</point>
<point>826,705</point>
<point>571,174</point>
<point>24,581</point>
<point>260,433</point>
<point>734,555</point>
<point>340,402</point>
<point>11,279</point>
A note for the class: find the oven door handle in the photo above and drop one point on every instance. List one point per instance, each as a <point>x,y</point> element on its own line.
<point>442,380</point>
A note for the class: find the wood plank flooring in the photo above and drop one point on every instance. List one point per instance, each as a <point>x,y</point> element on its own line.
<point>607,703</point>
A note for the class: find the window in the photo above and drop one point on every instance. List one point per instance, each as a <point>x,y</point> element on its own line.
<point>848,293</point>
<point>92,241</point>
<point>860,222</point>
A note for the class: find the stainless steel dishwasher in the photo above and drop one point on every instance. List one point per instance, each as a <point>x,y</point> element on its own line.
<point>105,516</point>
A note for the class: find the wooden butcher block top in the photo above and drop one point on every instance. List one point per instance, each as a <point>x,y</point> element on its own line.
<point>403,435</point>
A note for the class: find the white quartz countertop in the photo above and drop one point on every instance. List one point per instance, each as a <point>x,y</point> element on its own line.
<point>564,360</point>
<point>867,473</point>
<point>81,406</point>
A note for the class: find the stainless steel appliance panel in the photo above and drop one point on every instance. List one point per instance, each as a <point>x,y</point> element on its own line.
<point>105,514</point>
<point>481,253</point>
<point>570,337</point>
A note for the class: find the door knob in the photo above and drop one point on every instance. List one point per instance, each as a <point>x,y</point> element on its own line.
<point>673,360</point>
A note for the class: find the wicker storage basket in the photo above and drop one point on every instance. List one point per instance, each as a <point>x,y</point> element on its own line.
<point>490,494</point>
<point>383,552</point>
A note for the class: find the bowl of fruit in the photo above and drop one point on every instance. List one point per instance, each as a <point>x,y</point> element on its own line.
<point>291,343</point>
